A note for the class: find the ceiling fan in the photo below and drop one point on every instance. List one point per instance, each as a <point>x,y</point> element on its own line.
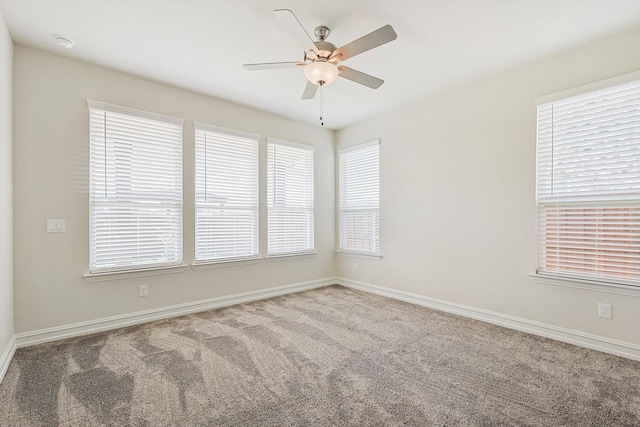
<point>321,58</point>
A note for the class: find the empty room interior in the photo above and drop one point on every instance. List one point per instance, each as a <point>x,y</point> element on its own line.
<point>320,213</point>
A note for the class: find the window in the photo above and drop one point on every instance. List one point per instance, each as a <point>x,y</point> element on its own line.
<point>226,194</point>
<point>135,190</point>
<point>359,198</point>
<point>588,186</point>
<point>289,198</point>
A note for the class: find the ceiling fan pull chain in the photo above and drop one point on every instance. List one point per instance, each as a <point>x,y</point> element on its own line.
<point>321,103</point>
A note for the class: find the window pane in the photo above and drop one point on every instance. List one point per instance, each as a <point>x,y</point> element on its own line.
<point>588,186</point>
<point>290,204</point>
<point>359,231</point>
<point>601,242</point>
<point>135,190</point>
<point>226,195</point>
<point>359,199</point>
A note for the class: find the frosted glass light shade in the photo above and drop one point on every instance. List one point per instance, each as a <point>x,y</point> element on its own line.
<point>320,71</point>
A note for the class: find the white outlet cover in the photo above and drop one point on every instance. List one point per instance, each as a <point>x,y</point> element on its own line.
<point>604,310</point>
<point>143,290</point>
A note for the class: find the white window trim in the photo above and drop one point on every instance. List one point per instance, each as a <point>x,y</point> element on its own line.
<point>591,87</point>
<point>291,256</point>
<point>272,140</point>
<point>229,262</point>
<point>589,285</point>
<point>359,146</point>
<point>354,254</point>
<point>98,105</point>
<point>219,129</point>
<point>127,274</point>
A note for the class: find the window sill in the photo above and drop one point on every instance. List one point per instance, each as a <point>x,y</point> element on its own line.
<point>590,285</point>
<point>116,275</point>
<point>225,263</point>
<point>360,255</point>
<point>288,257</point>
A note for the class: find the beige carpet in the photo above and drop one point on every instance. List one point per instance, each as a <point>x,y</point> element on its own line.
<point>330,356</point>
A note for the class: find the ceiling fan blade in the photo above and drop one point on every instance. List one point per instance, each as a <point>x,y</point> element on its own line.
<point>374,39</point>
<point>360,77</point>
<point>271,65</point>
<point>309,91</point>
<point>289,20</point>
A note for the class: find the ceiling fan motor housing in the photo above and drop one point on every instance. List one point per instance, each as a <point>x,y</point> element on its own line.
<point>325,49</point>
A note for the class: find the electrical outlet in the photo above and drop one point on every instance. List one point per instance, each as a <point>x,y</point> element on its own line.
<point>143,290</point>
<point>604,310</point>
<point>355,266</point>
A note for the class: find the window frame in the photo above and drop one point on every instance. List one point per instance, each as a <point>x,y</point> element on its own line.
<point>310,208</point>
<point>97,273</point>
<point>231,133</point>
<point>610,284</point>
<point>342,250</point>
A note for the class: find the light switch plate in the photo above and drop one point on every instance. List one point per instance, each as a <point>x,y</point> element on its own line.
<point>55,226</point>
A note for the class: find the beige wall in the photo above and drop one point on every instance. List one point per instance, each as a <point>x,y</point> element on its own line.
<point>50,181</point>
<point>457,195</point>
<point>6,188</point>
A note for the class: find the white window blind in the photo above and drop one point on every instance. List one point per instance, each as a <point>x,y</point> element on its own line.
<point>135,189</point>
<point>289,198</point>
<point>359,198</point>
<point>588,186</point>
<point>226,194</point>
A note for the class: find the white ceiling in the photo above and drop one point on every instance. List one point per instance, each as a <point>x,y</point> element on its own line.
<point>201,45</point>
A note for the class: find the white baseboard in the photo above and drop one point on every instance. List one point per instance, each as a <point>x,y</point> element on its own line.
<point>108,323</point>
<point>607,345</point>
<point>7,355</point>
<point>582,339</point>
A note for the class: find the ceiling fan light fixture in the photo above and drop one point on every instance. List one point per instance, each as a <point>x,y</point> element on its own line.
<point>321,73</point>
